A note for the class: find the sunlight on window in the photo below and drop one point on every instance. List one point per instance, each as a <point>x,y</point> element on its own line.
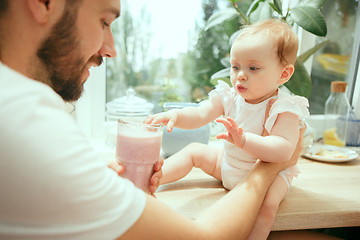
<point>163,52</point>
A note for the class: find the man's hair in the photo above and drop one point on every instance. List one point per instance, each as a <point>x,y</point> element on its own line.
<point>3,7</point>
<point>284,38</point>
<point>5,3</point>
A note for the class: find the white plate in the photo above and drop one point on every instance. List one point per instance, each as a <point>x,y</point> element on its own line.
<point>331,153</point>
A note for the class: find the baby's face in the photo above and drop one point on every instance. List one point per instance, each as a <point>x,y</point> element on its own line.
<point>255,68</point>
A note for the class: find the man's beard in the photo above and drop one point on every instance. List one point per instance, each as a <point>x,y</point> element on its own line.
<point>61,57</point>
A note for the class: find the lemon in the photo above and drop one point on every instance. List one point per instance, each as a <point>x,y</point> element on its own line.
<point>330,137</point>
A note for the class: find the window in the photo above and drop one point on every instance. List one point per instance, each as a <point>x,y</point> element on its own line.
<point>338,59</point>
<point>158,50</point>
<point>155,37</point>
<point>159,61</point>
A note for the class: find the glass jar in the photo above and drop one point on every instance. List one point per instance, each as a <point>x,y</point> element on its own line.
<point>179,138</point>
<point>337,110</point>
<point>127,108</point>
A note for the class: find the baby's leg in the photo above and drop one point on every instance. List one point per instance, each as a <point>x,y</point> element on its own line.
<point>199,155</point>
<point>266,216</point>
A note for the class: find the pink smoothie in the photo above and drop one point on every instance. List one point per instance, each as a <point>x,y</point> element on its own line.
<point>138,150</point>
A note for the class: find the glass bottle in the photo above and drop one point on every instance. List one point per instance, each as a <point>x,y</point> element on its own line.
<point>337,108</point>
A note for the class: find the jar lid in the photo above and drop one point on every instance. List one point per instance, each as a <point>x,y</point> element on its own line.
<point>338,86</point>
<point>129,105</point>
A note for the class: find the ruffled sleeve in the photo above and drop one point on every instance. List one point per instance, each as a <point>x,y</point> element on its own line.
<point>288,103</point>
<point>226,93</point>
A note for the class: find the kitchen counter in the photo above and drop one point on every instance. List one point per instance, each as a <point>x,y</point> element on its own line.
<point>325,195</point>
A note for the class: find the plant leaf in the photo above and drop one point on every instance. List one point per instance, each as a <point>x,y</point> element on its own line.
<point>219,17</point>
<point>310,19</point>
<point>254,5</point>
<point>233,37</point>
<point>303,57</point>
<point>312,3</point>
<point>225,62</point>
<point>276,6</point>
<point>221,74</point>
<point>261,13</point>
<point>300,82</point>
<point>214,81</point>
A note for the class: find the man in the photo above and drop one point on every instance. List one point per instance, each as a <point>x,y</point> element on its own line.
<point>53,185</point>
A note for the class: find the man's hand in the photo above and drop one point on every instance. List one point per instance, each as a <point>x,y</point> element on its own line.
<point>267,112</point>
<point>154,180</point>
<point>114,165</point>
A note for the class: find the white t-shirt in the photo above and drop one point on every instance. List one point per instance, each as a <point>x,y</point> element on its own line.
<point>52,183</point>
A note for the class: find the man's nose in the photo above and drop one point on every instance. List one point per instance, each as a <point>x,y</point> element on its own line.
<point>108,47</point>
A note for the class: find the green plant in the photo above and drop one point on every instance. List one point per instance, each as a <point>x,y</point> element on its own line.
<point>305,13</point>
<point>204,58</point>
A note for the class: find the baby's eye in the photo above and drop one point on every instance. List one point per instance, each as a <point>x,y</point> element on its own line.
<point>254,68</point>
<point>235,68</point>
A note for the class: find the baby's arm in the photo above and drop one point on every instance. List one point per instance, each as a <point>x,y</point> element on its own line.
<point>189,117</point>
<point>278,146</point>
<point>281,142</point>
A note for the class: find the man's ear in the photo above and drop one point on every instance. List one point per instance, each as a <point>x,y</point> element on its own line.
<point>286,73</point>
<point>40,10</point>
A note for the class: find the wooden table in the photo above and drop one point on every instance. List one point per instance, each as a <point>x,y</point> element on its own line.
<point>325,195</point>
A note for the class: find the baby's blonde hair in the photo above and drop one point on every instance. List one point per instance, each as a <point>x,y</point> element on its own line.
<point>284,38</point>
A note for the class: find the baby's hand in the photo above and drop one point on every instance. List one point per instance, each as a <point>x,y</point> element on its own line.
<point>167,118</point>
<point>234,135</point>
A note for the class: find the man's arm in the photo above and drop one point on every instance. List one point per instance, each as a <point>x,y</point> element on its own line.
<point>232,217</point>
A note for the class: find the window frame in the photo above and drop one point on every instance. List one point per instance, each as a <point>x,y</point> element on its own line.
<point>90,108</point>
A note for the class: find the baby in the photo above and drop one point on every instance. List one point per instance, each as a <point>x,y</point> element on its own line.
<point>262,58</point>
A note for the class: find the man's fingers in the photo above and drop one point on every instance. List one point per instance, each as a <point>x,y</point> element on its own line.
<point>119,169</point>
<point>159,164</point>
<point>268,107</point>
<point>267,112</point>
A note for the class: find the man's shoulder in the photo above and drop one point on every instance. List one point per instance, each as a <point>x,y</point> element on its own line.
<point>17,88</point>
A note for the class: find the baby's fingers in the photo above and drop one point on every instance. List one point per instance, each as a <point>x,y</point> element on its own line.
<point>159,118</point>
<point>223,135</point>
<point>149,119</point>
<point>170,125</point>
<point>232,122</point>
<point>225,122</point>
<point>231,126</point>
<point>235,130</point>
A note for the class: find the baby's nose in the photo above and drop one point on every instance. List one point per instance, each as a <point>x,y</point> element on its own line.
<point>241,76</point>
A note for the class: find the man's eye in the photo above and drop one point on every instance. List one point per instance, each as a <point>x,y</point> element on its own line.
<point>106,24</point>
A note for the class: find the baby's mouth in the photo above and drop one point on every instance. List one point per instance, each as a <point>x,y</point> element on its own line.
<point>241,88</point>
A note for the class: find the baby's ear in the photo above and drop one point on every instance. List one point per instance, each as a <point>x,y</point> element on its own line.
<point>286,73</point>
